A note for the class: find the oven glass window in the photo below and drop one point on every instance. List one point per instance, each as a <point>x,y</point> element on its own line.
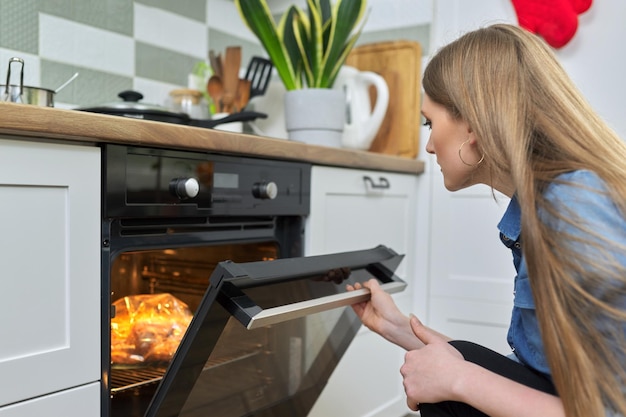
<point>283,366</point>
<point>275,369</point>
<point>155,293</point>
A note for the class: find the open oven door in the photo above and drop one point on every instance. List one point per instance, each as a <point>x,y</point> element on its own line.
<point>268,335</point>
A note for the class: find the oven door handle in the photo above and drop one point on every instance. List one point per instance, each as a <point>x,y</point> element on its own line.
<point>253,317</point>
<point>378,261</point>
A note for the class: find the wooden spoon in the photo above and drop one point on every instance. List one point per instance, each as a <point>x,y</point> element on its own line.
<point>216,63</point>
<point>243,94</point>
<point>232,64</point>
<point>215,88</point>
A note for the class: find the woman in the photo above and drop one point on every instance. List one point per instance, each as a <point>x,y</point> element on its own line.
<point>503,112</point>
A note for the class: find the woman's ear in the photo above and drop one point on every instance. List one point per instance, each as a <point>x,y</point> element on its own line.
<point>471,136</point>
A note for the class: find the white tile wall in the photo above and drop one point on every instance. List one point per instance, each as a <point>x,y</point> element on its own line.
<point>385,14</point>
<point>170,31</point>
<point>86,46</point>
<point>154,92</point>
<point>222,16</point>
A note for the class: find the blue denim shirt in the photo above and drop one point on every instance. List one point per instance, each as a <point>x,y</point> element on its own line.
<point>598,211</point>
<point>523,336</point>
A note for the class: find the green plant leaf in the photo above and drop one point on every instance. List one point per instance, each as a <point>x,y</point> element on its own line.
<point>346,15</point>
<point>286,28</point>
<point>310,46</point>
<point>316,45</point>
<point>327,19</point>
<point>257,16</point>
<point>334,70</point>
<point>301,31</point>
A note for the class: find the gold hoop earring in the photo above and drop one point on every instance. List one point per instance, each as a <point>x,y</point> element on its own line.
<point>462,160</point>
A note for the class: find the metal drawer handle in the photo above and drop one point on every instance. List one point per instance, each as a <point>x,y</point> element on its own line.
<point>383,183</point>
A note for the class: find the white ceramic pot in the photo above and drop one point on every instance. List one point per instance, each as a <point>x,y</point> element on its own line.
<point>315,116</point>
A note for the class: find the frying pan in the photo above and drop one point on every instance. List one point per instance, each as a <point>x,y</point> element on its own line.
<point>131,107</point>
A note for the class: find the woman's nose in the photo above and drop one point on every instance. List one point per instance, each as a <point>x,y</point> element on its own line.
<point>429,147</point>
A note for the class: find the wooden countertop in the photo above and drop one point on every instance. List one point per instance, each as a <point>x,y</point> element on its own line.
<point>30,121</point>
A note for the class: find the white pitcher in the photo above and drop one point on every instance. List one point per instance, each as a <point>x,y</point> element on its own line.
<point>362,122</point>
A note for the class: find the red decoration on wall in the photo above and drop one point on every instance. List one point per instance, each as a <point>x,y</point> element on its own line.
<point>555,20</point>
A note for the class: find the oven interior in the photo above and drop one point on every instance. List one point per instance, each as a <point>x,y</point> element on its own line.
<point>180,272</point>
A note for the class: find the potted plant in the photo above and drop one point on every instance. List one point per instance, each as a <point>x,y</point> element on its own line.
<point>308,48</point>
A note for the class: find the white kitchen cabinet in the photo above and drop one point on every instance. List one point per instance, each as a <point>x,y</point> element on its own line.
<point>81,401</point>
<point>50,286</point>
<point>349,212</point>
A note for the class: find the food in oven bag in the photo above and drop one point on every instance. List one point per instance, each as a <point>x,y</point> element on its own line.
<point>147,328</point>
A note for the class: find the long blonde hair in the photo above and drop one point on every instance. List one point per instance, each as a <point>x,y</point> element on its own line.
<point>532,125</point>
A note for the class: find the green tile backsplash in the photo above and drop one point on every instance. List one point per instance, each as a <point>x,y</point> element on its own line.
<point>113,15</point>
<point>113,57</point>
<point>19,29</point>
<point>193,9</point>
<point>91,88</point>
<point>162,64</point>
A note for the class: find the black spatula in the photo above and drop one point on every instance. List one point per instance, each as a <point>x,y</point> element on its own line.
<point>259,72</point>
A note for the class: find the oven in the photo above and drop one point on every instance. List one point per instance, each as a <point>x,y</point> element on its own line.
<point>210,307</point>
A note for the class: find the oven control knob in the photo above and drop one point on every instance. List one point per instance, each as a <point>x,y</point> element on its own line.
<point>265,190</point>
<point>184,188</point>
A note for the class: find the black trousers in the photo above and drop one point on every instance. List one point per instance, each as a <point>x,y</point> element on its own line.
<point>496,363</point>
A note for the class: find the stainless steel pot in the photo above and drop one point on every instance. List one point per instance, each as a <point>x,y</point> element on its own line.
<point>20,93</point>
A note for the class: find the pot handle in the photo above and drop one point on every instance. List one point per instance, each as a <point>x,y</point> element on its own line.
<point>6,91</point>
<point>242,116</point>
<point>130,96</point>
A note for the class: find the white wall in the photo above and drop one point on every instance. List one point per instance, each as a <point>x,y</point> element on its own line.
<point>595,58</point>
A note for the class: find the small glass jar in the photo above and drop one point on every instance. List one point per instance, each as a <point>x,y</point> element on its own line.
<point>189,101</point>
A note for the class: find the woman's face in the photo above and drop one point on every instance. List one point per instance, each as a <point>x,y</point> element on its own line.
<point>447,136</point>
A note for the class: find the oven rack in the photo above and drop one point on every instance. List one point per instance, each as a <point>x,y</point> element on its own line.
<point>126,378</point>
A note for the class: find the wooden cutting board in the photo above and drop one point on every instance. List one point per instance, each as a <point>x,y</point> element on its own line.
<point>399,63</point>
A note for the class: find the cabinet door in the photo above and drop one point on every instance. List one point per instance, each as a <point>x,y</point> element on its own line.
<point>50,255</point>
<point>83,401</point>
<point>471,287</point>
<point>350,212</point>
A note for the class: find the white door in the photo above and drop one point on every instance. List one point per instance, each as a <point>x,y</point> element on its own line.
<point>470,272</point>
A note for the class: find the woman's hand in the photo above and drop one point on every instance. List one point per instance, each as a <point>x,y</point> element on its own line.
<point>381,315</point>
<point>438,372</point>
<point>429,373</point>
<point>380,311</point>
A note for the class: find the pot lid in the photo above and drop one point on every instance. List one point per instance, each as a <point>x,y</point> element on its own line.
<point>130,101</point>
